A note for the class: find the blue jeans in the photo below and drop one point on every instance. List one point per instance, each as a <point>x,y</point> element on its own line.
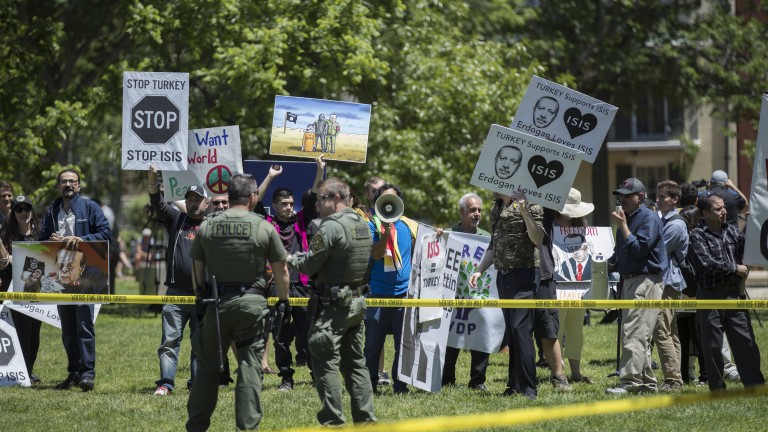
<point>174,319</point>
<point>378,320</point>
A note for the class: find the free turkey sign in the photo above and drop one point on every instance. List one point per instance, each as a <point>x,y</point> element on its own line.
<point>213,156</point>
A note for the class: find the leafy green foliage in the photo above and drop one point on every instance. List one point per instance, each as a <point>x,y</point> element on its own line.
<point>437,74</point>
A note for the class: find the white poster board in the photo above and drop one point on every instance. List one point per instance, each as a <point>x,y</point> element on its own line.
<point>479,329</point>
<point>213,157</point>
<point>155,118</point>
<point>430,271</point>
<point>513,161</point>
<point>422,346</point>
<point>756,245</point>
<point>13,370</point>
<point>564,116</point>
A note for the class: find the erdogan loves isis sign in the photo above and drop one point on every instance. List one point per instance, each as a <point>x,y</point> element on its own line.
<point>512,161</point>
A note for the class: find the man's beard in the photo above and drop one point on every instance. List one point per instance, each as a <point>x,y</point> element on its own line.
<point>474,222</point>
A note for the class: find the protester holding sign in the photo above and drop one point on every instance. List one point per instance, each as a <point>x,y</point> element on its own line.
<point>182,229</point>
<point>73,219</point>
<point>292,229</point>
<point>22,226</point>
<point>517,232</point>
<point>470,210</point>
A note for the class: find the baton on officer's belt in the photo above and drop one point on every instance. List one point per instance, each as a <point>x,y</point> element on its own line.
<point>215,301</point>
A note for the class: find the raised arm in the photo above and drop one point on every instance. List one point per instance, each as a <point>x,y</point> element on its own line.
<point>274,171</point>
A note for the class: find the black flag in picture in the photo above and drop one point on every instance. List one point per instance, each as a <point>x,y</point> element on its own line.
<point>291,117</point>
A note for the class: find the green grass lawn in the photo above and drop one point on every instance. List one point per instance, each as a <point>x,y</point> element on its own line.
<point>127,367</point>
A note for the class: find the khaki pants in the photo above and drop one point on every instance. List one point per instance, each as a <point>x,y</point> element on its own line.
<point>635,373</point>
<point>667,340</point>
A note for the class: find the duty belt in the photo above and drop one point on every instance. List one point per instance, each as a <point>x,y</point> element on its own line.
<point>240,289</point>
<point>330,293</point>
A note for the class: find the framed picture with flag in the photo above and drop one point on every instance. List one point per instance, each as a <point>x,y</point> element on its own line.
<point>305,127</point>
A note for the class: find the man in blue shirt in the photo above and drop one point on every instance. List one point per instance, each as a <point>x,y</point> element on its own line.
<point>675,235</point>
<point>390,273</point>
<point>73,219</point>
<point>640,257</point>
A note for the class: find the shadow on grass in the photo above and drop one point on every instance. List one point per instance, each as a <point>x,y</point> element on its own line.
<point>603,362</point>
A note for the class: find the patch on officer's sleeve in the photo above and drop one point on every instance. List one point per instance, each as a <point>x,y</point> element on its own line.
<point>318,243</point>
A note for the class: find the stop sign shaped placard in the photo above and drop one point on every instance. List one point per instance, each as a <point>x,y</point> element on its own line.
<point>7,350</point>
<point>155,119</point>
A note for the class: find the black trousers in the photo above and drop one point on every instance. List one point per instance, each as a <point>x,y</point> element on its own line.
<point>688,332</point>
<point>738,327</point>
<point>476,370</point>
<point>28,331</point>
<point>520,284</point>
<point>300,329</point>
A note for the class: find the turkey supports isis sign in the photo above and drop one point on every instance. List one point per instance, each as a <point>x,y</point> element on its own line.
<point>155,117</point>
<point>512,161</point>
<point>564,116</point>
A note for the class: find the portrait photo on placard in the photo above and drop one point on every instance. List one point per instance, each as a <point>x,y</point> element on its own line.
<point>305,127</point>
<point>511,161</point>
<point>565,116</point>
<point>56,268</point>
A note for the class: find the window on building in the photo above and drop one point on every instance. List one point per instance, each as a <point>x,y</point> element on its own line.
<point>651,176</point>
<point>650,118</point>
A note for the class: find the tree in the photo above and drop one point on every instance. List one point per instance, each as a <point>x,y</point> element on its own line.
<point>434,93</point>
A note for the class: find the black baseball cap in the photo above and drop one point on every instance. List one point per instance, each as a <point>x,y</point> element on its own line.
<point>630,186</point>
<point>21,199</point>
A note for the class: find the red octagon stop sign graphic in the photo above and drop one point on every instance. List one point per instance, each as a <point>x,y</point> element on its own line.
<point>218,178</point>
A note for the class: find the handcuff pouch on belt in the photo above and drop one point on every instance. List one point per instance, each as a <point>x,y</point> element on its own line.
<point>339,295</point>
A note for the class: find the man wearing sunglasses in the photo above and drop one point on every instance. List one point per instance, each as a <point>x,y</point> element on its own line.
<point>72,219</point>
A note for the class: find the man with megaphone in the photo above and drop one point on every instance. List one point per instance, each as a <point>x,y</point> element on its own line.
<point>394,237</point>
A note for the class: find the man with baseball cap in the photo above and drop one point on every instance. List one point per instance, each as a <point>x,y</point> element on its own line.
<point>640,257</point>
<point>733,198</point>
<point>181,228</point>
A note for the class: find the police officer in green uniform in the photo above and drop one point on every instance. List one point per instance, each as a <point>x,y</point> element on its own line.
<point>234,246</point>
<point>337,259</point>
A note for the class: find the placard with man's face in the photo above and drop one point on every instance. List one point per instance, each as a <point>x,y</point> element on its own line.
<point>512,161</point>
<point>564,116</point>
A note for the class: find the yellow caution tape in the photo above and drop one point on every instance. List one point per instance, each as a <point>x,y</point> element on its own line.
<point>522,416</point>
<point>95,298</point>
<point>390,302</point>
